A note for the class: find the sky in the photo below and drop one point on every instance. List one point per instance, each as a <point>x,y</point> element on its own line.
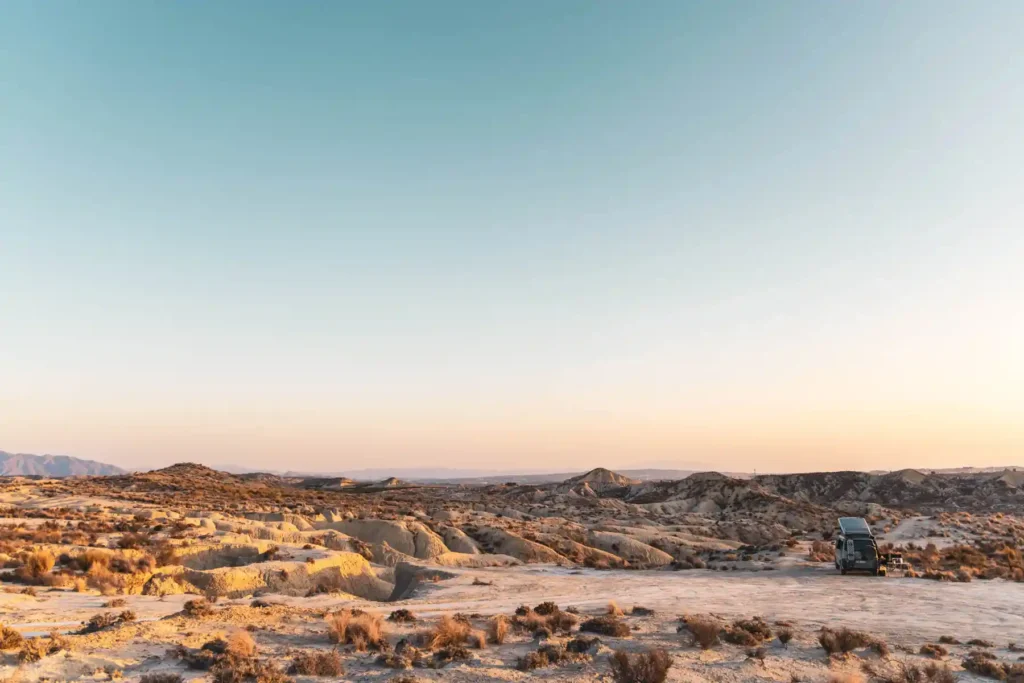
<point>513,236</point>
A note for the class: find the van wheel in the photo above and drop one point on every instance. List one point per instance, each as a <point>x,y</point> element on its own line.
<point>842,570</point>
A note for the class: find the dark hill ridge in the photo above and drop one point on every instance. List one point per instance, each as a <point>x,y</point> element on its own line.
<point>24,464</point>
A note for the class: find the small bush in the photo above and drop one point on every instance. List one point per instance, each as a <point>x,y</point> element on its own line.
<point>39,563</point>
<point>704,631</point>
<point>317,663</point>
<point>843,641</point>
<point>613,610</point>
<point>161,677</point>
<point>477,640</point>
<point>402,616</point>
<point>980,642</point>
<point>546,608</point>
<point>948,640</point>
<point>650,666</point>
<point>364,631</point>
<point>639,611</point>
<point>784,635</point>
<point>497,629</point>
<point>10,638</point>
<point>532,660</point>
<point>933,650</point>
<point>448,632</point>
<point>197,608</point>
<point>606,626</point>
<point>240,644</point>
<point>984,664</point>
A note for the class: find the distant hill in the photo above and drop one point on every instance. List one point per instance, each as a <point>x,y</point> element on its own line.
<point>23,464</point>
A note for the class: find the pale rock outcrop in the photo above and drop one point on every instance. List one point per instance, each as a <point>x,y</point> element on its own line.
<point>629,549</point>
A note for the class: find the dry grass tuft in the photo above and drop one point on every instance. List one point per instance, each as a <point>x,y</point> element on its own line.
<point>364,631</point>
<point>448,632</point>
<point>240,644</point>
<point>704,630</point>
<point>933,650</point>
<point>614,610</point>
<point>649,666</point>
<point>317,663</point>
<point>497,629</point>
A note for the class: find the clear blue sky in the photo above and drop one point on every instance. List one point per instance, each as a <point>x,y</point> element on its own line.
<point>517,235</point>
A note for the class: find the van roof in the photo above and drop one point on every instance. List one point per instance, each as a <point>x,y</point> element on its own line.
<point>854,526</point>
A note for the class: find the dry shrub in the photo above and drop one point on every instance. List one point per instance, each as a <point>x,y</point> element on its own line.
<point>614,610</point>
<point>197,608</point>
<point>546,608</point>
<point>477,640</point>
<point>402,616</point>
<point>364,631</point>
<point>447,655</point>
<point>649,666</point>
<point>497,629</point>
<point>240,644</point>
<point>985,664</point>
<point>161,677</point>
<point>980,642</point>
<point>747,632</point>
<point>34,649</point>
<point>98,622</point>
<point>607,626</point>
<point>821,552</point>
<point>562,622</point>
<point>576,650</point>
<point>317,663</point>
<point>784,635</point>
<point>933,650</point>
<point>116,602</point>
<point>948,640</point>
<point>532,660</point>
<point>639,611</point>
<point>404,656</point>
<point>936,674</point>
<point>448,632</point>
<point>10,638</point>
<point>844,640</point>
<point>704,630</point>
<point>37,565</point>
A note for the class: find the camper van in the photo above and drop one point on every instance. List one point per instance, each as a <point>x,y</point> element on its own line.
<point>856,550</point>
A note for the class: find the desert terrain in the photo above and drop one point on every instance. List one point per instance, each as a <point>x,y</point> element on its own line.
<point>188,573</point>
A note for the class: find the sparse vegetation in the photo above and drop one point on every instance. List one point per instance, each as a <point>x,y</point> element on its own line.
<point>317,663</point>
<point>649,666</point>
<point>607,626</point>
<point>362,630</point>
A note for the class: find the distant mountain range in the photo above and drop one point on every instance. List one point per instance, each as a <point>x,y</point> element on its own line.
<point>23,464</point>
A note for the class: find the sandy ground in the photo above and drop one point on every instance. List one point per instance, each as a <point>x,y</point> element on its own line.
<point>900,609</point>
<point>909,610</point>
<point>905,612</point>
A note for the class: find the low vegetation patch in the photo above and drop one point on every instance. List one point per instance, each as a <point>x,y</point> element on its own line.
<point>649,666</point>
<point>704,630</point>
<point>607,626</point>
<point>362,630</point>
<point>317,663</point>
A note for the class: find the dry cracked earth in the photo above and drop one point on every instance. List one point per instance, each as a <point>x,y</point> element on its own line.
<point>188,573</point>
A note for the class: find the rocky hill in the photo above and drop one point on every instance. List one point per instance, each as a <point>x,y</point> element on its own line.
<point>23,464</point>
